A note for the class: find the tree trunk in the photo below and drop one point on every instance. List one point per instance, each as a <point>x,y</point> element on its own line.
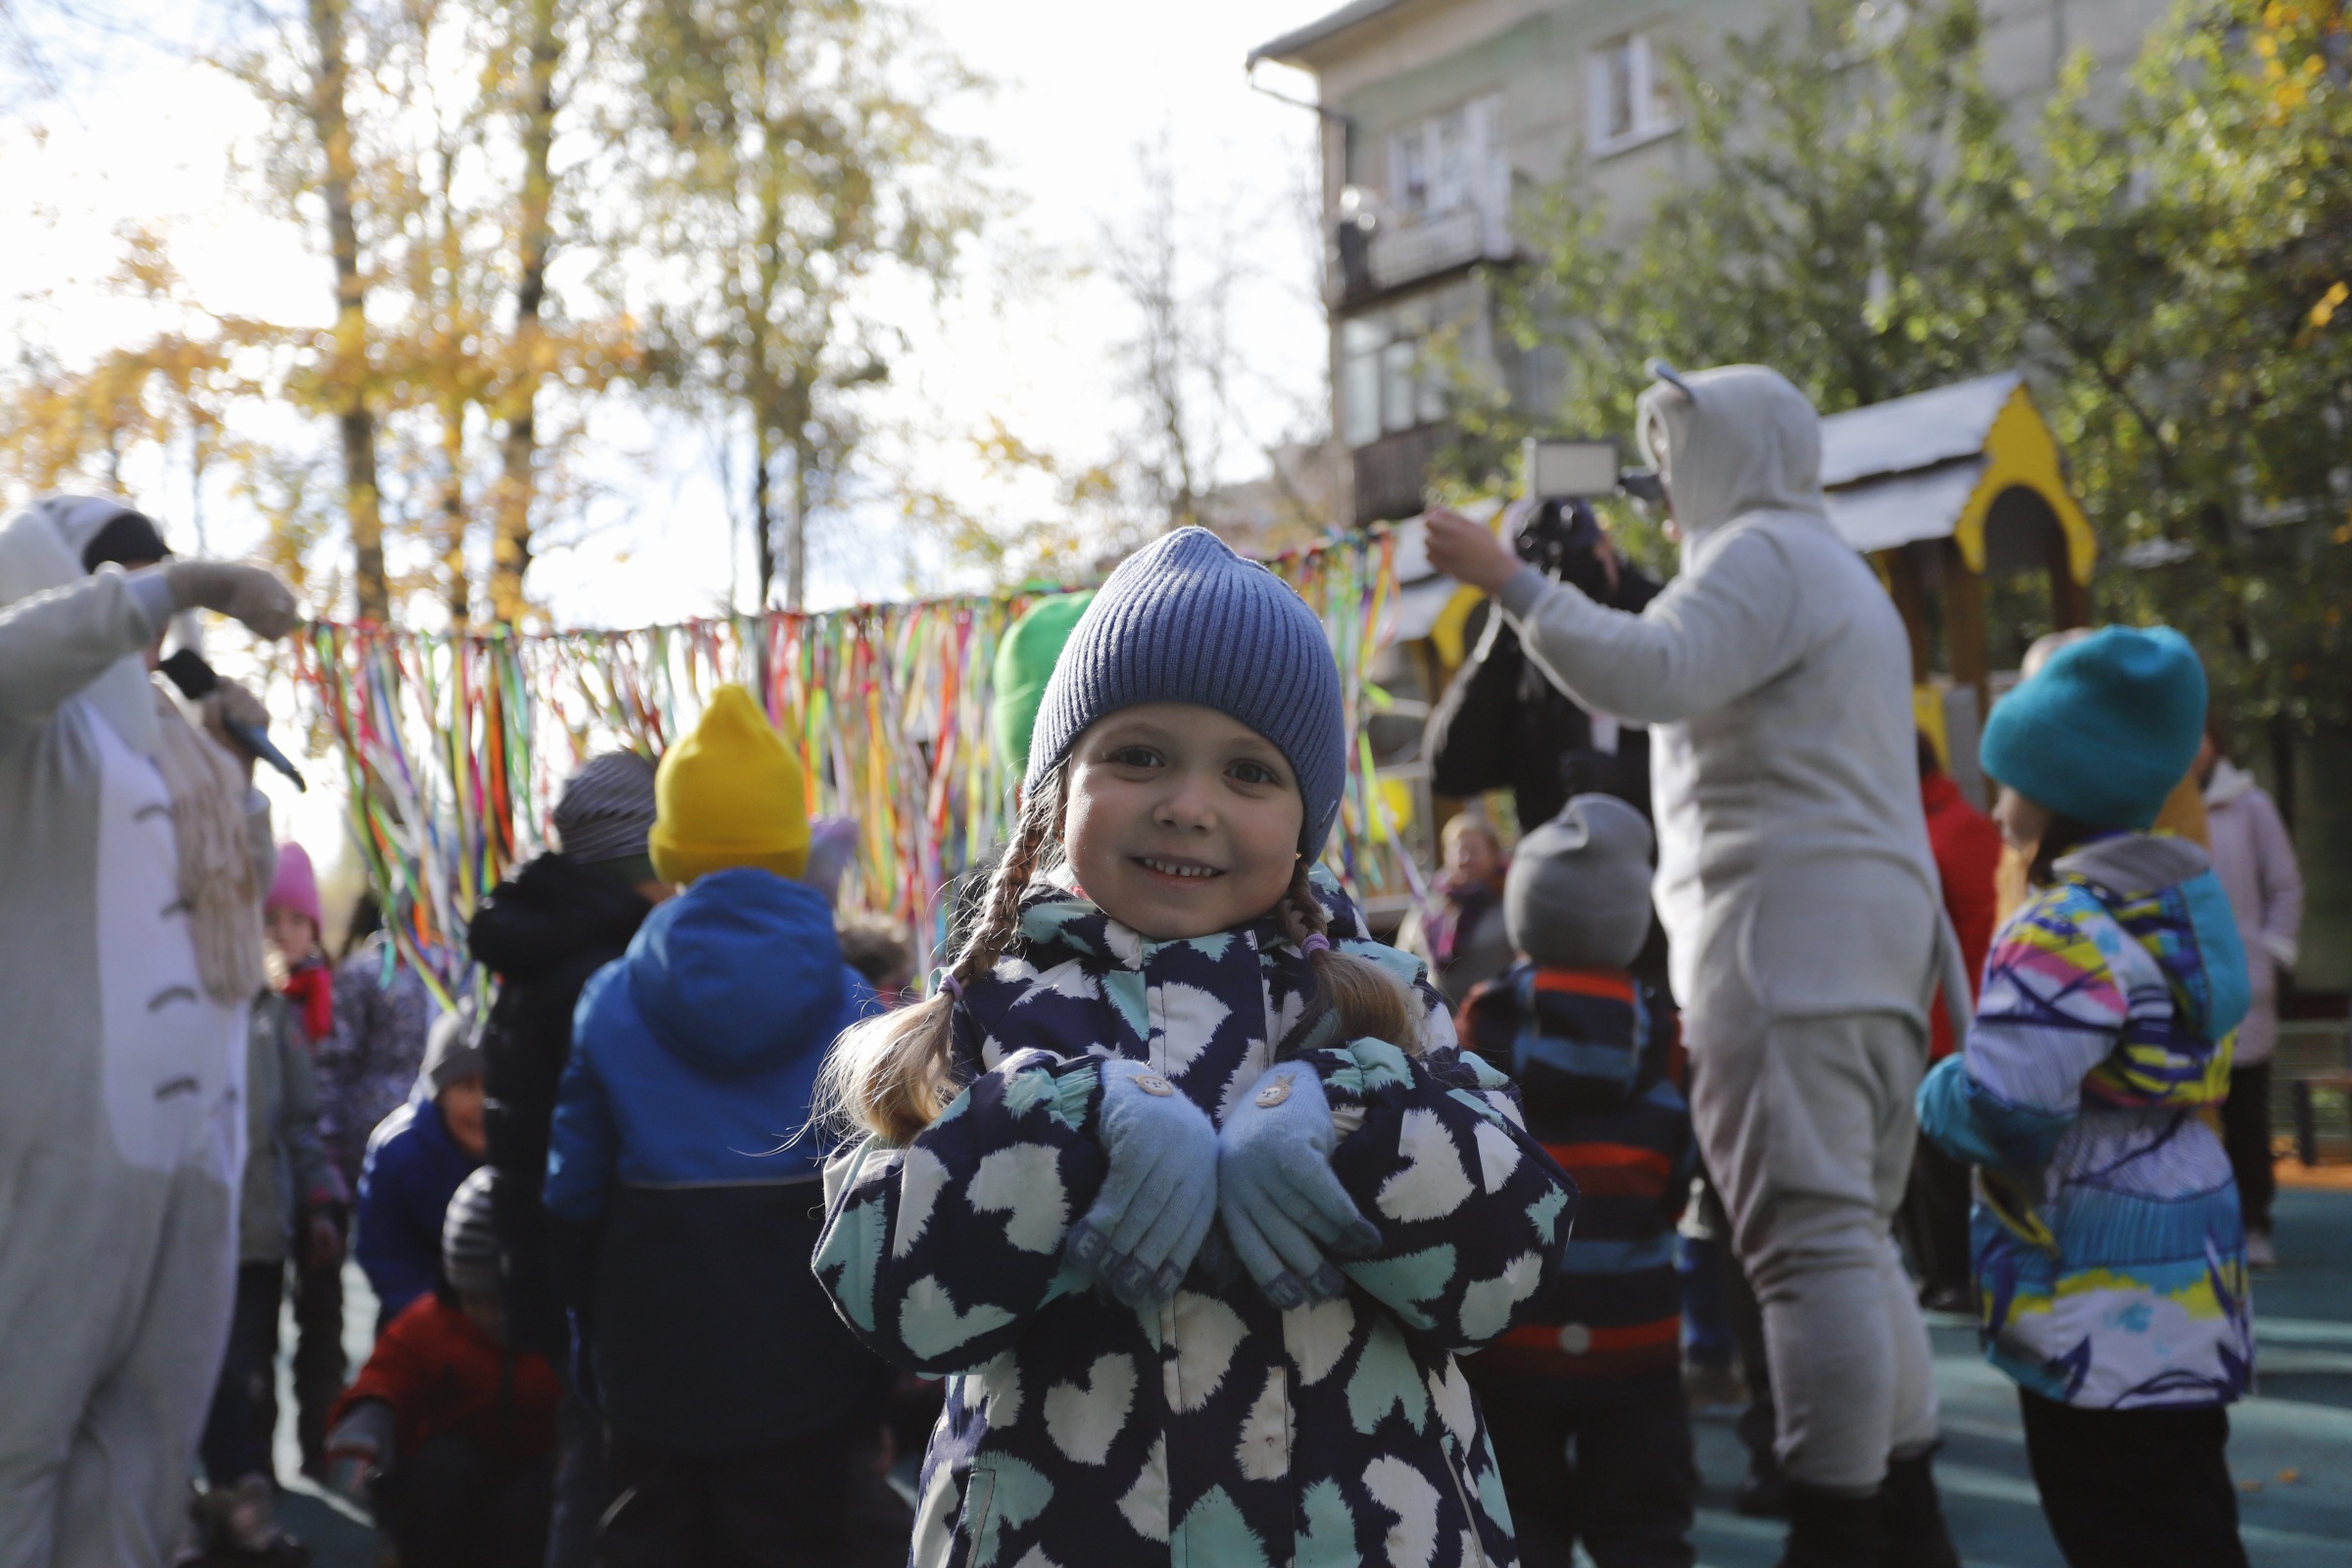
<point>456,591</point>
<point>517,484</point>
<point>354,421</point>
<point>763,525</point>
<point>795,531</point>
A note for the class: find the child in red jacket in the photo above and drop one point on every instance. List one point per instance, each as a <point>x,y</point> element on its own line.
<point>1933,1223</point>
<point>449,1432</point>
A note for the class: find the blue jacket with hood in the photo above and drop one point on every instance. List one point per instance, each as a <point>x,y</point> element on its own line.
<point>413,1169</point>
<point>692,1062</point>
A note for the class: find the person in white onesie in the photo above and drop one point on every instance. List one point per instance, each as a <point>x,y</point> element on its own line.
<point>134,853</point>
<point>1796,887</point>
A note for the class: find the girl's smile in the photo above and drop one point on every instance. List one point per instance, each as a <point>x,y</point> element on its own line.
<point>1182,821</point>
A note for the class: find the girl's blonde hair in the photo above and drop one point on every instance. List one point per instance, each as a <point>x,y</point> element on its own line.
<point>892,1075</point>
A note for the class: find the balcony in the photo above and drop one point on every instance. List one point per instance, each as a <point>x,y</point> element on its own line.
<point>1388,255</point>
<point>1391,473</point>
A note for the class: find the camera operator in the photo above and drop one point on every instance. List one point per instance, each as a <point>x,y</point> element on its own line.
<point>1795,881</point>
<point>1502,725</point>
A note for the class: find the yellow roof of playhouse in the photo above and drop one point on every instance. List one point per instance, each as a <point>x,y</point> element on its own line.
<point>1942,464</point>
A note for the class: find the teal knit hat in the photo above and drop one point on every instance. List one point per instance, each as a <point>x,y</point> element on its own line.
<point>1025,661</point>
<point>2106,730</point>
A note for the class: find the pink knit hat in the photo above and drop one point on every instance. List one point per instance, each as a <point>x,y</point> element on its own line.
<point>296,886</point>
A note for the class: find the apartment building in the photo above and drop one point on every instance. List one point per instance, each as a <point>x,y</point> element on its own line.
<point>1439,116</point>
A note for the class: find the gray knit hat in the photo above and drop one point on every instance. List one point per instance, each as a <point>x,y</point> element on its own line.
<point>607,808</point>
<point>1577,894</point>
<point>469,1241</point>
<point>451,1049</point>
<point>1187,621</point>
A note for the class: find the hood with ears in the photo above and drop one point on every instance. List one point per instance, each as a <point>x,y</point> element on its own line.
<point>1742,439</point>
<point>40,549</point>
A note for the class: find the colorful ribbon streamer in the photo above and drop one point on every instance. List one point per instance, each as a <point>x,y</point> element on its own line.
<point>455,748</point>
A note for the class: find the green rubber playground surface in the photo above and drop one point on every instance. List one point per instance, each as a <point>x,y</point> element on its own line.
<point>2290,1447</point>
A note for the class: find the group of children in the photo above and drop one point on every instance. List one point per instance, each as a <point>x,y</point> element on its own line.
<point>331,1054</point>
<point>1194,1192</point>
<point>478,1426</point>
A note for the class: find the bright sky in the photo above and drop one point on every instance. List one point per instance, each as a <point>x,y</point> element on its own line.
<point>1081,86</point>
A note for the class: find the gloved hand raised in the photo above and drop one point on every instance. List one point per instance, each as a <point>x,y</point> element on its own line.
<point>1277,1194</point>
<point>1161,1193</point>
<point>253,594</point>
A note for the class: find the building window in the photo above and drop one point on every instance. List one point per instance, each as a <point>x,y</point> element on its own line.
<point>1360,343</point>
<point>1408,172</point>
<point>1450,163</point>
<point>1386,384</point>
<point>1630,94</point>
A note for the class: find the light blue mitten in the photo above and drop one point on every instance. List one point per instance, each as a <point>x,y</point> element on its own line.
<point>1280,1203</point>
<point>1160,1195</point>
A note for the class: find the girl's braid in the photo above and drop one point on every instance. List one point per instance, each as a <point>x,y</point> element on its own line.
<point>1040,822</point>
<point>1303,914</point>
<point>1367,999</point>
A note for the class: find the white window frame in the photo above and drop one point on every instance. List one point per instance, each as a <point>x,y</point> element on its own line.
<point>1646,76</point>
<point>1478,177</point>
<point>1386,382</point>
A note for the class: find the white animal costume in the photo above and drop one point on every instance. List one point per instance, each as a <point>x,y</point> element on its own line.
<point>1795,883</point>
<point>121,1129</point>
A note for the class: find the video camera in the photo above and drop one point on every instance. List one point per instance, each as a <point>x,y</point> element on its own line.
<point>1556,531</point>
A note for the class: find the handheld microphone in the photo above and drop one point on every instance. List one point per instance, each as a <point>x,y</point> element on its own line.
<point>196,679</point>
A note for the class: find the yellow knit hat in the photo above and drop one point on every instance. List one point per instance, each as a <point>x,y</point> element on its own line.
<point>730,794</point>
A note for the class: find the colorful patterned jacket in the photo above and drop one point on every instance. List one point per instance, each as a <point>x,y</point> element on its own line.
<point>2109,1255</point>
<point>1216,1430</point>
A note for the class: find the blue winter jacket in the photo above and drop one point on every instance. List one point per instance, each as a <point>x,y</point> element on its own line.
<point>693,1059</point>
<point>411,1170</point>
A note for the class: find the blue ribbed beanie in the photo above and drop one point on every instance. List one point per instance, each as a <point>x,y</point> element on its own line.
<point>1187,621</point>
<point>2106,729</point>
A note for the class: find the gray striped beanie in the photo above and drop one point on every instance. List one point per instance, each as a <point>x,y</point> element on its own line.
<point>607,808</point>
<point>469,1241</point>
<point>1187,621</point>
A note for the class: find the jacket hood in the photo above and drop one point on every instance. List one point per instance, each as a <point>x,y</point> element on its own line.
<point>2230,784</point>
<point>731,974</point>
<point>1743,440</point>
<point>41,547</point>
<point>2131,865</point>
<point>41,544</point>
<point>542,917</point>
<point>2136,865</point>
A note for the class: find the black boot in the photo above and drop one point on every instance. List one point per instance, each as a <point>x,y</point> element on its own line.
<point>1916,1534</point>
<point>1834,1529</point>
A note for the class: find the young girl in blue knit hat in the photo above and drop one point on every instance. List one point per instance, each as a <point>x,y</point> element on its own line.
<point>2110,1253</point>
<point>1181,1177</point>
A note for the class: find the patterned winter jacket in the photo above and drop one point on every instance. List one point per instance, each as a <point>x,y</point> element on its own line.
<point>1216,1430</point>
<point>2111,1259</point>
<point>367,1064</point>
